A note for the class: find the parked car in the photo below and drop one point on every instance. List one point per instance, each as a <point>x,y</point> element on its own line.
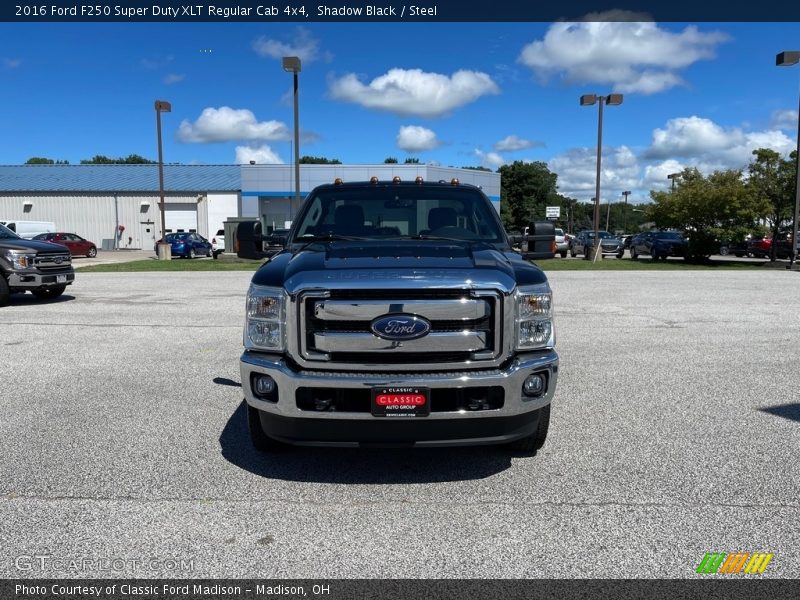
<point>738,249</point>
<point>583,243</point>
<point>759,247</point>
<point>562,243</point>
<point>188,245</point>
<point>77,245</point>
<point>218,243</point>
<point>659,244</point>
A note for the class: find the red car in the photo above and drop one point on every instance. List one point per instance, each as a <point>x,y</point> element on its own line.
<point>76,244</point>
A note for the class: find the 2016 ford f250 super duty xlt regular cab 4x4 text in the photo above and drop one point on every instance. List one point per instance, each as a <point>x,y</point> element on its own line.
<point>398,315</point>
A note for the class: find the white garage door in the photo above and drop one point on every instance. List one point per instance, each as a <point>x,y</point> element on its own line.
<point>180,219</point>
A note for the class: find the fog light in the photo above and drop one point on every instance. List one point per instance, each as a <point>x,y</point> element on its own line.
<point>322,403</point>
<point>265,385</point>
<point>534,385</point>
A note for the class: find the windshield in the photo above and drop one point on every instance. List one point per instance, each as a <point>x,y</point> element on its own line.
<point>668,235</point>
<point>392,212</point>
<point>7,234</point>
<point>171,237</point>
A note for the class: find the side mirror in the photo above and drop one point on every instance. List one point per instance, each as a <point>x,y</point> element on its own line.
<point>541,240</point>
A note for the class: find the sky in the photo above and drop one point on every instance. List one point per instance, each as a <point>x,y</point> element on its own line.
<point>453,94</point>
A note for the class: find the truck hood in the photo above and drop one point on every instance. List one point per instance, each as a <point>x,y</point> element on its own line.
<point>28,245</point>
<point>397,265</point>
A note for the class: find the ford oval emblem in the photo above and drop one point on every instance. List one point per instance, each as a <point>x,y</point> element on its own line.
<point>400,327</point>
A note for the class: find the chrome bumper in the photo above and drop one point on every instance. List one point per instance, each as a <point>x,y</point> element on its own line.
<point>289,380</point>
<point>37,280</point>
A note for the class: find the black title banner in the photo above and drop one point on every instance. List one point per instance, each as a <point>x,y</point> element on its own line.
<point>338,589</point>
<point>419,11</point>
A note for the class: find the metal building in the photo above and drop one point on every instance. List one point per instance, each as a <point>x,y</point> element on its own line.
<point>117,206</point>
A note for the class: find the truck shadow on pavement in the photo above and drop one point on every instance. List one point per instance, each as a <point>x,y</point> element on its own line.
<point>787,411</point>
<point>359,465</point>
<point>30,300</point>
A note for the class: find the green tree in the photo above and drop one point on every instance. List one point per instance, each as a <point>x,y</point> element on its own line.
<point>411,161</point>
<point>479,168</point>
<point>709,209</point>
<point>525,190</point>
<point>772,179</point>
<point>319,160</point>
<point>38,160</point>
<point>390,160</point>
<point>131,159</point>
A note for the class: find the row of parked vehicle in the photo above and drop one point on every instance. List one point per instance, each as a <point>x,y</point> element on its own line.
<point>659,245</point>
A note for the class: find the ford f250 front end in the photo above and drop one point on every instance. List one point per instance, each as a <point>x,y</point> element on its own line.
<point>398,315</point>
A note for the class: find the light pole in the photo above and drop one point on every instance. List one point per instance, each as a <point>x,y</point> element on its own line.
<point>673,177</point>
<point>625,212</point>
<point>787,59</point>
<point>590,100</point>
<point>164,249</point>
<point>291,64</point>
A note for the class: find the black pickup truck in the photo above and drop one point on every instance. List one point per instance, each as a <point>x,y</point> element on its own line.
<point>42,268</point>
<point>398,315</point>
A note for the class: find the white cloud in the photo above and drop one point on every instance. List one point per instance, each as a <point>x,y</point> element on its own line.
<point>655,176</point>
<point>414,92</point>
<point>174,78</point>
<point>227,124</point>
<point>11,63</point>
<point>491,160</point>
<point>304,46</point>
<point>262,155</point>
<point>512,143</point>
<point>784,119</point>
<point>413,138</point>
<point>577,170</point>
<point>630,56</point>
<point>709,146</point>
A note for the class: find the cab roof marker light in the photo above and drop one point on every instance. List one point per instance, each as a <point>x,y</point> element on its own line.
<point>454,181</point>
<point>419,179</point>
<point>396,179</point>
<point>373,180</point>
<point>338,181</point>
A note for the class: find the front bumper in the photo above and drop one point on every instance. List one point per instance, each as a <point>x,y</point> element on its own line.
<point>33,280</point>
<point>285,421</point>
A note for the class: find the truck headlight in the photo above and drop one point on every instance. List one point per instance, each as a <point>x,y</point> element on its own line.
<point>19,260</point>
<point>534,328</point>
<point>265,323</point>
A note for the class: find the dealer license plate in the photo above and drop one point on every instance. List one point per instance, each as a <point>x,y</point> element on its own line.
<point>401,402</point>
<point>61,279</point>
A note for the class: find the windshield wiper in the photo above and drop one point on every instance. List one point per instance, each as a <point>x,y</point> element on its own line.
<point>325,237</point>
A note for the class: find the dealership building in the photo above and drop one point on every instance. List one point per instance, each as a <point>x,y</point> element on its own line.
<point>117,206</point>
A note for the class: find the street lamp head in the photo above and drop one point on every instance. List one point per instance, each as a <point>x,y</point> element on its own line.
<point>673,175</point>
<point>626,193</point>
<point>291,64</point>
<point>588,99</point>
<point>614,99</point>
<point>163,106</point>
<point>787,58</point>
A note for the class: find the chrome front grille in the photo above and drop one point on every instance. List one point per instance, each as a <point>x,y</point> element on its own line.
<point>334,327</point>
<point>46,262</point>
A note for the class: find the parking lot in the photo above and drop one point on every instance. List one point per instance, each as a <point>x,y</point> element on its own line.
<point>675,432</point>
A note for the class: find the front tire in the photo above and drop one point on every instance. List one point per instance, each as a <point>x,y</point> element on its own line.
<point>49,293</point>
<point>536,440</point>
<point>192,253</point>
<point>634,256</point>
<point>587,254</point>
<point>573,253</point>
<point>260,440</point>
<point>5,291</point>
<point>564,254</point>
<point>92,252</point>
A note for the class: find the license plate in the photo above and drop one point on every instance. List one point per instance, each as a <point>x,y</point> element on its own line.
<point>401,402</point>
<point>61,279</point>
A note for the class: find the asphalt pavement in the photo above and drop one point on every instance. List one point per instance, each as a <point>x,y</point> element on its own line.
<point>675,432</point>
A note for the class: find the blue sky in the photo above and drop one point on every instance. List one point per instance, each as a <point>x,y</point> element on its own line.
<point>454,94</point>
